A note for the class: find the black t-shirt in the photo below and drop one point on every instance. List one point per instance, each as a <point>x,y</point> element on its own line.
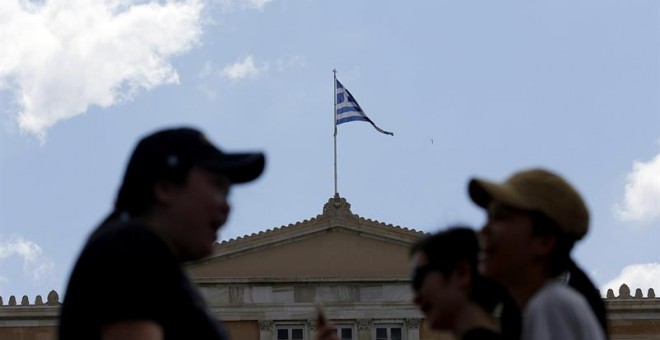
<point>481,334</point>
<point>126,272</point>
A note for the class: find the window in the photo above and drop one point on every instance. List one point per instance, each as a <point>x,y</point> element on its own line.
<point>389,332</point>
<point>290,333</point>
<point>344,332</point>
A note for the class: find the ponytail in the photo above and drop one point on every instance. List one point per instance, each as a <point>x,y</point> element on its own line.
<point>579,281</point>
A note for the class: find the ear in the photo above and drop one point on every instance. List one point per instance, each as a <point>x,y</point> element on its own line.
<point>544,244</point>
<point>462,275</point>
<point>164,192</point>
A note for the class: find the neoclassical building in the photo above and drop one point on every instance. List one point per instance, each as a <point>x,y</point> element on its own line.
<point>264,286</point>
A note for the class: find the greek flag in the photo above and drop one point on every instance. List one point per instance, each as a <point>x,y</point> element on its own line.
<point>348,110</point>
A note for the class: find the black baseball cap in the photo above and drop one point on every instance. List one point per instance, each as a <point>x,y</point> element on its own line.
<point>171,153</point>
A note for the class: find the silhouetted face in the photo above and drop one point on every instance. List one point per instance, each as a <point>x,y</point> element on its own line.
<point>197,209</point>
<point>507,244</point>
<point>438,297</point>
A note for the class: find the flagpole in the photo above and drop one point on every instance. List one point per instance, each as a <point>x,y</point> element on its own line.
<point>334,110</point>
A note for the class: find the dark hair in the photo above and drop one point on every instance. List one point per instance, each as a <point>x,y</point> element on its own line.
<point>560,258</point>
<point>560,262</point>
<point>135,198</point>
<point>446,249</point>
<point>136,194</point>
<point>579,280</point>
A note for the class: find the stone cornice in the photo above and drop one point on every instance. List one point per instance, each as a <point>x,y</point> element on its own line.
<point>623,301</point>
<point>306,311</point>
<point>336,216</point>
<point>633,309</point>
<point>28,312</point>
<point>300,280</point>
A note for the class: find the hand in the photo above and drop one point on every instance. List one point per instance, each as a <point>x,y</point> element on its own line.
<point>326,331</point>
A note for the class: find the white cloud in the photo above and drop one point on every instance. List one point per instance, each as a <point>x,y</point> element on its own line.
<point>642,276</point>
<point>207,70</point>
<point>35,264</point>
<point>208,92</point>
<point>249,68</point>
<point>61,56</point>
<point>243,4</point>
<point>243,69</point>
<point>257,4</point>
<point>291,62</point>
<point>642,193</point>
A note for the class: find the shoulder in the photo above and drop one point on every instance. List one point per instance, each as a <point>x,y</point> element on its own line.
<point>556,292</point>
<point>121,261</point>
<point>556,297</point>
<point>557,311</point>
<point>118,235</point>
<point>120,230</point>
<point>122,243</point>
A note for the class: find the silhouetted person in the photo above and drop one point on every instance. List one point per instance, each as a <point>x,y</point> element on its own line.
<point>128,282</point>
<point>448,288</point>
<point>534,219</point>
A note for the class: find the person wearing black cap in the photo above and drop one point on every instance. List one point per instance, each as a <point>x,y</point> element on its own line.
<point>534,219</point>
<point>128,282</point>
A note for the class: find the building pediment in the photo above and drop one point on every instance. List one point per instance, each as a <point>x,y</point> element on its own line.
<point>336,243</point>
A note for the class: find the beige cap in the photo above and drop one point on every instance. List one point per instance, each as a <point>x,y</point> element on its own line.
<point>537,190</point>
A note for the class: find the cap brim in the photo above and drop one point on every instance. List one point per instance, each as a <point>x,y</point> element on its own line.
<point>483,192</point>
<point>239,167</point>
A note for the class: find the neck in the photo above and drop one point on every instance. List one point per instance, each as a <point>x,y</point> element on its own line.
<point>522,290</point>
<point>472,316</point>
<point>160,226</point>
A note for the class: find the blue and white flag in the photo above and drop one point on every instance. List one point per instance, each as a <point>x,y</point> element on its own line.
<point>348,110</point>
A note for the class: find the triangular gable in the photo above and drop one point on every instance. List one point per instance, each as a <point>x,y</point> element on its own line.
<point>336,244</point>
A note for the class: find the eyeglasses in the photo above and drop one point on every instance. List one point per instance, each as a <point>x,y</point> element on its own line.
<point>419,275</point>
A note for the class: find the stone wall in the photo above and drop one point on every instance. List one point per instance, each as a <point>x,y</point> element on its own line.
<point>633,316</point>
<point>630,316</point>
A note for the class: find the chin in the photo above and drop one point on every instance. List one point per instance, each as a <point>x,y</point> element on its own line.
<point>438,325</point>
<point>205,252</point>
<point>486,269</point>
<point>199,253</point>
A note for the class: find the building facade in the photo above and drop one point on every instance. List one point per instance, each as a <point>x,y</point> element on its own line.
<point>265,286</point>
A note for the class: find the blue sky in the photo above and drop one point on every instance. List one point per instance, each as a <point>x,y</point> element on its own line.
<point>481,88</point>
